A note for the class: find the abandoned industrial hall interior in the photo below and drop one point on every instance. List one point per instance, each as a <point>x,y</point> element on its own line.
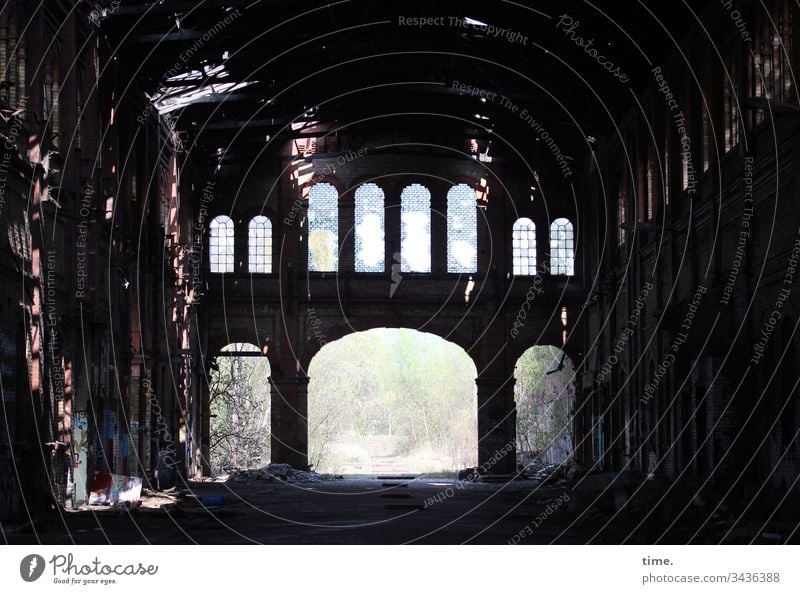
<point>363,272</point>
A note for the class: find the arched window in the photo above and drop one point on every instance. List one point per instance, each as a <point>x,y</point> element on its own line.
<point>259,254</point>
<point>787,403</point>
<point>51,97</point>
<point>323,228</point>
<point>622,215</point>
<point>523,239</point>
<point>650,197</point>
<point>12,62</point>
<point>370,251</point>
<point>562,248</point>
<point>220,245</point>
<point>772,52</point>
<point>415,217</point>
<point>730,101</point>
<point>462,229</point>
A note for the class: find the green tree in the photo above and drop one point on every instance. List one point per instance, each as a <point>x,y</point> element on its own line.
<point>544,400</point>
<point>240,411</point>
<point>392,393</point>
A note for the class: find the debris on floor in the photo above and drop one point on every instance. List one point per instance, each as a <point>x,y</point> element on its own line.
<point>469,474</point>
<point>555,475</point>
<point>115,489</point>
<point>277,473</point>
<point>159,499</point>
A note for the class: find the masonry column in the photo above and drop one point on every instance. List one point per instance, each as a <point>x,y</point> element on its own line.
<point>497,425</point>
<point>290,420</point>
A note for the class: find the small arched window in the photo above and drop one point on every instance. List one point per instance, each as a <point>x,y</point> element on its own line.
<point>323,228</point>
<point>523,238</point>
<point>369,218</point>
<point>787,404</point>
<point>415,217</point>
<point>259,242</point>
<point>562,247</point>
<point>220,245</point>
<point>13,89</point>
<point>462,229</point>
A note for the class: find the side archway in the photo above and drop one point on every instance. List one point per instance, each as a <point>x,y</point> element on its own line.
<point>544,394</point>
<point>239,406</point>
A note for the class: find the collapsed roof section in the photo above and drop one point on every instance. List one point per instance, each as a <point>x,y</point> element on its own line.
<point>239,74</point>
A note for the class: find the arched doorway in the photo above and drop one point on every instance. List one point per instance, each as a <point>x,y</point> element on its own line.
<point>239,392</point>
<point>392,401</point>
<point>544,394</point>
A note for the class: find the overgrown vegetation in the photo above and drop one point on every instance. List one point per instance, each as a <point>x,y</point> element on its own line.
<point>388,397</point>
<point>240,411</point>
<point>544,403</point>
<point>392,394</point>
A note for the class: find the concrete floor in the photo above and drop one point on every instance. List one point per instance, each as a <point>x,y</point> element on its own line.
<point>350,511</point>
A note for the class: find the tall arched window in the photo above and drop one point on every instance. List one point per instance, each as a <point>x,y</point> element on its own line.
<point>220,245</point>
<point>259,254</point>
<point>730,102</point>
<point>787,402</point>
<point>562,247</point>
<point>523,239</point>
<point>772,52</point>
<point>415,217</point>
<point>462,229</point>
<point>370,252</point>
<point>12,62</point>
<point>51,97</point>
<point>622,214</point>
<point>323,228</point>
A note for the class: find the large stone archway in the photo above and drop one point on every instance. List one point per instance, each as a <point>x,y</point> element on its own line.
<point>293,312</point>
<point>392,401</point>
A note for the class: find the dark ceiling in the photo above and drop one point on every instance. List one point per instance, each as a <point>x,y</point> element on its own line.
<point>350,60</point>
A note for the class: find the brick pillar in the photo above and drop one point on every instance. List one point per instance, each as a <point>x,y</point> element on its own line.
<point>290,420</point>
<point>497,425</point>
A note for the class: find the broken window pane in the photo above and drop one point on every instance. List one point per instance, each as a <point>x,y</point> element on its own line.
<point>707,140</point>
<point>260,245</point>
<point>415,215</point>
<point>462,229</point>
<point>369,229</point>
<point>523,239</point>
<point>562,248</point>
<point>731,108</point>
<point>323,228</point>
<point>220,245</point>
<point>772,50</point>
<point>622,217</point>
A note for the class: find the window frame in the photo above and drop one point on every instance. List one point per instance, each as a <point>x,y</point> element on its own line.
<point>426,209</point>
<point>555,227</point>
<point>452,213</point>
<point>333,227</point>
<point>229,245</point>
<point>528,226</point>
<point>268,249</point>
<point>357,206</point>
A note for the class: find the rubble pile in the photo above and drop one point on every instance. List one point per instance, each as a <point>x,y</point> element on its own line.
<point>469,474</point>
<point>554,475</point>
<point>282,473</point>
